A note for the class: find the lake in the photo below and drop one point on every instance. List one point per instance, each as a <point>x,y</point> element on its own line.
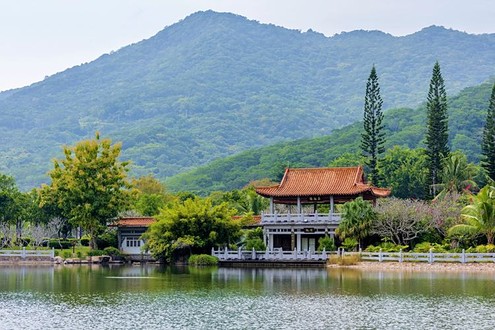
<point>154,297</point>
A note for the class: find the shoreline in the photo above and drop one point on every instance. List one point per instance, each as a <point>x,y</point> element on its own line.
<point>420,266</point>
<point>473,267</point>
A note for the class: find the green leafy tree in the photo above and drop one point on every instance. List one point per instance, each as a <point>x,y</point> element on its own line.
<point>194,225</point>
<point>348,159</point>
<point>89,185</point>
<point>437,133</point>
<point>151,195</point>
<point>245,201</point>
<point>405,171</point>
<point>456,176</point>
<point>373,138</point>
<point>149,204</point>
<point>10,209</point>
<point>480,214</point>
<point>254,239</point>
<point>357,219</point>
<point>488,144</point>
<point>8,196</point>
<point>148,184</point>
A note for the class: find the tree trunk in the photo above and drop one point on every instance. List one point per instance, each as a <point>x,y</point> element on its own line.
<point>489,237</point>
<point>92,242</point>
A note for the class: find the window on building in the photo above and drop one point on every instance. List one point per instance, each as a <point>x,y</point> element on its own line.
<point>133,242</point>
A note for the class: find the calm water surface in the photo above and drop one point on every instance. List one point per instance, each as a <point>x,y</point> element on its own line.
<point>152,297</point>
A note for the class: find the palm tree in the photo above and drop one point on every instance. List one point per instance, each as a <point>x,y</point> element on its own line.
<point>456,175</point>
<point>481,213</point>
<point>357,219</point>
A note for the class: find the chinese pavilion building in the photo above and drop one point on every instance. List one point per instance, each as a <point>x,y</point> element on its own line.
<point>293,221</point>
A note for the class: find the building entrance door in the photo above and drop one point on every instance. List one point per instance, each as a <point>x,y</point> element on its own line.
<point>308,243</point>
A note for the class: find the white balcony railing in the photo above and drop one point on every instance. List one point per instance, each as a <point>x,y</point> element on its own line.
<point>274,255</point>
<point>305,218</point>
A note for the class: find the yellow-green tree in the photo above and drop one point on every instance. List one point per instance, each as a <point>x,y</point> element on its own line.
<point>89,186</point>
<point>151,195</point>
<point>194,226</point>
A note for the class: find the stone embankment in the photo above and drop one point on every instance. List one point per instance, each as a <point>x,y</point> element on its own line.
<point>422,266</point>
<point>25,260</point>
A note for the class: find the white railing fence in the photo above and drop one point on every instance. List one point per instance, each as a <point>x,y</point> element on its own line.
<point>274,255</point>
<point>23,254</point>
<point>269,218</point>
<point>429,257</point>
<point>280,255</point>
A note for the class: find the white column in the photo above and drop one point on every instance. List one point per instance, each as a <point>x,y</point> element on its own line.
<point>270,242</point>
<point>299,208</point>
<point>331,207</point>
<point>298,238</point>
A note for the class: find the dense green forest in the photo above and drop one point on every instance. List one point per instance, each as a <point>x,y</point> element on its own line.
<point>404,127</point>
<point>216,84</point>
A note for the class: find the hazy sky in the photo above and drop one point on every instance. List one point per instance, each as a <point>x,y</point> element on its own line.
<point>42,37</point>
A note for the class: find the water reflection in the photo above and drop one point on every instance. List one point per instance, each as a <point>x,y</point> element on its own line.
<point>113,297</point>
<point>80,279</point>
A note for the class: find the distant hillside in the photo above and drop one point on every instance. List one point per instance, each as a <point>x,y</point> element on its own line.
<point>215,84</point>
<point>404,127</point>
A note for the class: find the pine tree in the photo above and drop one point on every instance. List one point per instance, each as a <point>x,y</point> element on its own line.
<point>488,144</point>
<point>437,128</point>
<point>373,138</point>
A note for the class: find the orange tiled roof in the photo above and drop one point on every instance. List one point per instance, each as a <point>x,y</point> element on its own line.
<point>256,219</point>
<point>135,222</point>
<point>322,182</point>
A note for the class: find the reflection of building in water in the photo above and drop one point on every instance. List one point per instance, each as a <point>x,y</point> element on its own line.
<point>269,278</point>
<point>294,220</point>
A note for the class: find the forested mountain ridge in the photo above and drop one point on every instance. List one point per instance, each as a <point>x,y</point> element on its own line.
<point>404,127</point>
<point>215,84</point>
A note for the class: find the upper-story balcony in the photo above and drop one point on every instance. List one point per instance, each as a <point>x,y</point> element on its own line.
<point>301,219</point>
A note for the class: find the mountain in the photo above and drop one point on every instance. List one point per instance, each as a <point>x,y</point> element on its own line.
<point>404,127</point>
<point>216,84</point>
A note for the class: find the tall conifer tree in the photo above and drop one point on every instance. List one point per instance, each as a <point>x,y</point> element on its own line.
<point>373,138</point>
<point>488,144</point>
<point>437,133</point>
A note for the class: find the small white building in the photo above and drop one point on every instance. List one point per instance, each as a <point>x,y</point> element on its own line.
<point>129,231</point>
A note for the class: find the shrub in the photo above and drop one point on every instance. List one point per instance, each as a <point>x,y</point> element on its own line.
<point>59,244</point>
<point>112,251</point>
<point>387,247</point>
<point>94,253</point>
<point>66,254</point>
<point>350,244</point>
<point>84,240</point>
<point>203,260</point>
<point>254,233</point>
<point>107,239</point>
<point>256,243</point>
<point>425,247</point>
<point>489,248</point>
<point>344,260</point>
<point>326,243</point>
